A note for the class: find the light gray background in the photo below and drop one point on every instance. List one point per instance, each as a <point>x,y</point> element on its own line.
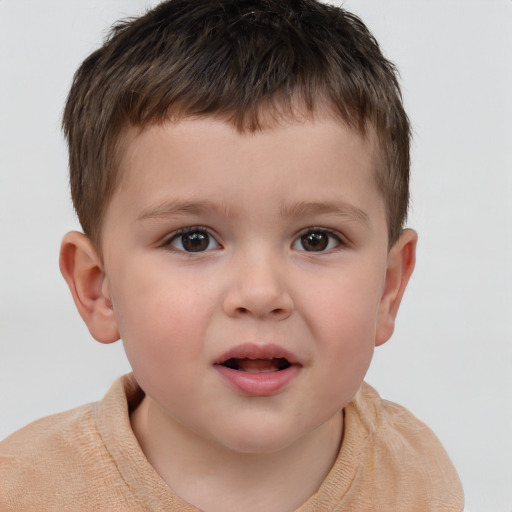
<point>450,361</point>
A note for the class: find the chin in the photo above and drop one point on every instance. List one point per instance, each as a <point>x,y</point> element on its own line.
<point>259,439</point>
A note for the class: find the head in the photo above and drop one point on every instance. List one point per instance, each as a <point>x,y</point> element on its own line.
<point>240,170</point>
<point>249,62</point>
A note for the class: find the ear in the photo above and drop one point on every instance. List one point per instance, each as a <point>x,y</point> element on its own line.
<point>401,260</point>
<point>82,269</point>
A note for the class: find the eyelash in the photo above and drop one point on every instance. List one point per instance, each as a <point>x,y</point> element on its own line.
<point>206,237</point>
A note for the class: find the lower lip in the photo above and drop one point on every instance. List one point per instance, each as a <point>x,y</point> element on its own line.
<point>259,384</point>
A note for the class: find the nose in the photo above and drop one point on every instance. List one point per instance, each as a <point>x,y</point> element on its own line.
<point>258,288</point>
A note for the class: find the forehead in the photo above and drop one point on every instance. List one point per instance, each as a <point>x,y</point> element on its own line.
<point>206,144</point>
<point>133,139</point>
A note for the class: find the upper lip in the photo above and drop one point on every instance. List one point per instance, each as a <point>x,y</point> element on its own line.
<point>257,351</point>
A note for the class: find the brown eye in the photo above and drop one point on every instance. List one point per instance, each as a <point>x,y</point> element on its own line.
<point>317,240</point>
<point>314,241</point>
<point>194,241</point>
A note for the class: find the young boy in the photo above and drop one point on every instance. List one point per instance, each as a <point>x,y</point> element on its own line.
<point>240,170</point>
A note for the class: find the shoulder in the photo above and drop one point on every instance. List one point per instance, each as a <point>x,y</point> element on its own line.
<point>388,423</point>
<point>45,431</point>
<point>84,459</point>
<point>402,455</point>
<point>60,462</point>
<point>44,454</point>
<point>47,434</point>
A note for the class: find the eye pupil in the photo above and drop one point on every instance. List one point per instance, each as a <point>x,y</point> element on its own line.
<point>314,241</point>
<point>195,242</point>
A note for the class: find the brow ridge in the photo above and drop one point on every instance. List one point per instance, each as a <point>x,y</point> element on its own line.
<point>342,209</point>
<point>300,209</point>
<point>177,207</point>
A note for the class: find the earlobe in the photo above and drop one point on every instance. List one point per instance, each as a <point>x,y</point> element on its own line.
<point>400,265</point>
<point>82,269</point>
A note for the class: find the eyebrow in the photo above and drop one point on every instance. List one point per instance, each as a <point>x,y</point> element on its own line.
<point>300,209</point>
<point>341,209</point>
<point>177,208</point>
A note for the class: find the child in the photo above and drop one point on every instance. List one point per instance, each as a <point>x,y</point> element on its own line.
<point>240,170</point>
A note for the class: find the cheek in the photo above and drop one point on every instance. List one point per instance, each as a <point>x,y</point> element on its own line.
<point>346,308</point>
<point>342,320</point>
<point>346,350</point>
<point>162,323</point>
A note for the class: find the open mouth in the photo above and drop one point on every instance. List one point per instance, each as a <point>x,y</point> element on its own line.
<point>244,364</point>
<point>258,369</point>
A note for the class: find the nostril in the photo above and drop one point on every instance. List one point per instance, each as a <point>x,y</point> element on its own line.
<point>255,303</point>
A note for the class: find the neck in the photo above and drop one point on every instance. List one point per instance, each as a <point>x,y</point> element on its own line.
<point>215,478</point>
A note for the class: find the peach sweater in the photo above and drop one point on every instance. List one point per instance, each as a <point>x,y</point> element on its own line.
<point>89,459</point>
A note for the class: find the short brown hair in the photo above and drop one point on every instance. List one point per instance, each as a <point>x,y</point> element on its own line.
<point>237,59</point>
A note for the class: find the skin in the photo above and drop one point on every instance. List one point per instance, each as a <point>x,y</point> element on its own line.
<point>253,200</point>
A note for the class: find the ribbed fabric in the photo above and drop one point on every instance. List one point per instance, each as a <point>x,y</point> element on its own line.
<point>88,459</point>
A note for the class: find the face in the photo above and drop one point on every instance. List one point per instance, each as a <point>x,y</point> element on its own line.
<point>246,273</point>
